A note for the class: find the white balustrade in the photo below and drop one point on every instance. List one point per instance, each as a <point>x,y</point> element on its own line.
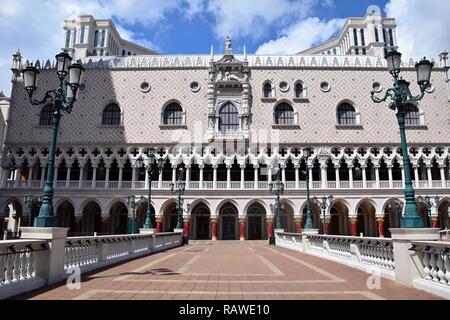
<point>194,184</point>
<point>290,185</point>
<point>37,184</point>
<point>74,184</point>
<point>437,184</point>
<point>126,184</point>
<point>208,185</point>
<point>113,185</point>
<point>249,185</point>
<point>221,185</point>
<point>166,185</point>
<point>423,184</point>
<point>235,184</point>
<point>87,185</point>
<point>61,184</point>
<point>302,185</point>
<point>345,184</point>
<point>398,184</point>
<point>18,265</point>
<point>384,184</point>
<point>435,263</point>
<point>331,184</point>
<point>357,184</point>
<point>371,184</point>
<point>139,184</point>
<point>263,185</point>
<point>317,184</point>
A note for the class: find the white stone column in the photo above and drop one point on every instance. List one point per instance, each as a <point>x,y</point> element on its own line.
<point>214,177</point>
<point>242,177</point>
<point>430,177</point>
<point>338,179</point>
<point>69,171</point>
<point>94,177</point>
<point>5,175</point>
<point>146,180</point>
<point>391,182</point>
<point>416,175</point>
<point>377,175</point>
<point>403,175</point>
<point>174,174</point>
<point>350,175</point>
<point>30,176</point>
<point>120,176</point>
<point>256,177</point>
<point>188,176</point>
<point>364,176</point>
<point>297,177</point>
<point>310,173</point>
<point>17,177</point>
<point>228,177</point>
<point>108,170</point>
<point>269,175</point>
<point>81,177</point>
<point>55,179</point>
<point>283,174</point>
<point>160,179</point>
<point>201,177</point>
<point>323,176</point>
<point>43,171</point>
<point>442,169</point>
<point>133,177</point>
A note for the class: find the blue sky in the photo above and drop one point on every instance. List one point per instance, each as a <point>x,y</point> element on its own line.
<point>192,26</point>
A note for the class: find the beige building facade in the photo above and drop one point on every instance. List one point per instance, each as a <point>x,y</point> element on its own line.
<point>228,120</point>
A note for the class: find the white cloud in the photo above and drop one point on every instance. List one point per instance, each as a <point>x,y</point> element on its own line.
<point>253,18</point>
<point>302,35</point>
<point>35,27</point>
<point>422,26</point>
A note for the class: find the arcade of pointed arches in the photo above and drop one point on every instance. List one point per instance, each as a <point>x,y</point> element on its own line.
<point>366,217</point>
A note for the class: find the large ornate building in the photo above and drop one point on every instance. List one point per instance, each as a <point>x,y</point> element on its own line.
<point>228,119</point>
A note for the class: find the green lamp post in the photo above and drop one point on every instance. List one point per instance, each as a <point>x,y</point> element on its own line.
<point>309,220</point>
<point>151,168</point>
<point>178,189</point>
<point>399,95</point>
<point>324,204</point>
<point>426,201</point>
<point>61,100</point>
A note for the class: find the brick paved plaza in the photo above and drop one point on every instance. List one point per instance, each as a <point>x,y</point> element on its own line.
<point>207,270</point>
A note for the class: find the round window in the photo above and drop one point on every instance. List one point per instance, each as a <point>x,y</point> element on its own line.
<point>376,86</point>
<point>195,87</point>
<point>145,87</point>
<point>284,86</point>
<point>325,86</point>
<point>82,87</point>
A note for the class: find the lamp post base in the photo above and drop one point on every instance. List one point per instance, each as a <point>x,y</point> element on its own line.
<point>414,222</point>
<point>147,231</point>
<point>45,222</point>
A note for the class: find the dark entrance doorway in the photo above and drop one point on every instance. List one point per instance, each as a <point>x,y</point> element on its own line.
<point>202,228</point>
<point>254,228</point>
<point>228,228</point>
<point>256,218</point>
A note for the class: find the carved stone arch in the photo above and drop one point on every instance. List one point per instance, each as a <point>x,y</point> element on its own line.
<point>87,201</point>
<point>288,102</point>
<point>224,202</point>
<point>259,201</point>
<point>419,109</point>
<point>170,102</point>
<point>355,107</point>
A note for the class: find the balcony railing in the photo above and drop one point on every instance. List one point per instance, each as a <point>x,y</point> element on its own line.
<point>223,185</point>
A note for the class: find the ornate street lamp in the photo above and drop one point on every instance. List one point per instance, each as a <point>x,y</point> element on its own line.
<point>28,200</point>
<point>309,220</point>
<point>324,204</point>
<point>178,189</point>
<point>399,95</point>
<point>276,188</point>
<point>426,201</point>
<point>151,169</point>
<point>61,99</point>
<point>132,204</point>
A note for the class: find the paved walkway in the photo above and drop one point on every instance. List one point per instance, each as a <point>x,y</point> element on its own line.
<point>229,270</point>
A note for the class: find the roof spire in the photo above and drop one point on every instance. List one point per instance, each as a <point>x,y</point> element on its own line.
<point>228,46</point>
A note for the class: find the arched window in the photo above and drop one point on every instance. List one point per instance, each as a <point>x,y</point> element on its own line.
<point>123,52</point>
<point>346,114</point>
<point>173,114</point>
<point>96,38</point>
<point>45,119</point>
<point>67,39</point>
<point>412,116</point>
<point>299,90</point>
<point>103,38</point>
<point>111,115</point>
<point>284,114</point>
<point>267,90</point>
<point>228,118</point>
